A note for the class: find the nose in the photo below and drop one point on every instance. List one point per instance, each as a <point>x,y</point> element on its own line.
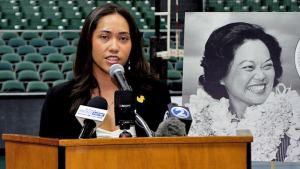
<point>259,74</point>
<point>114,46</point>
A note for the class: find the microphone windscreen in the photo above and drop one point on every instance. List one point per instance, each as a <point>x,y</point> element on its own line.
<point>172,127</point>
<point>114,68</point>
<point>98,102</point>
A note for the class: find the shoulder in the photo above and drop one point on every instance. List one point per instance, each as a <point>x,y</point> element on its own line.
<point>63,89</point>
<point>151,82</point>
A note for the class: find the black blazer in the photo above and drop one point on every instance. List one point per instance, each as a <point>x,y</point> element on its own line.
<point>57,122</point>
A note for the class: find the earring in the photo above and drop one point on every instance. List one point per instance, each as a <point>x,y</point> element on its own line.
<point>128,64</point>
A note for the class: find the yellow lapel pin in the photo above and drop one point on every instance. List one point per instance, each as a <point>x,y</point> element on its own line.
<point>140,99</point>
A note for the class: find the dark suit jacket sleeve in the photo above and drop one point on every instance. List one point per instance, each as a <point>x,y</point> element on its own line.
<point>56,120</point>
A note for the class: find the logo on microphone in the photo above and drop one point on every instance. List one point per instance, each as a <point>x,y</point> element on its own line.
<point>180,112</point>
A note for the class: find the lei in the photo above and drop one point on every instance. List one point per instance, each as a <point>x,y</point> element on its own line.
<point>268,122</point>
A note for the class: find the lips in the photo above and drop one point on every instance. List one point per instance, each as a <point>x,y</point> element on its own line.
<point>257,88</point>
<point>112,59</point>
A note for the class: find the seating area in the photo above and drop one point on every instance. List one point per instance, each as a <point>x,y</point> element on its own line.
<point>66,14</point>
<point>252,6</point>
<point>35,61</point>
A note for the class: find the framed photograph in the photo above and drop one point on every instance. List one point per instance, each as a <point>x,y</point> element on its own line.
<point>242,71</point>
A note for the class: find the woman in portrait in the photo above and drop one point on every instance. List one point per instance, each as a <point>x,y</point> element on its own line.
<point>242,66</point>
<point>109,36</point>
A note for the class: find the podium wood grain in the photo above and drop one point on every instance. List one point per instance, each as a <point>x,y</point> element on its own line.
<point>130,153</point>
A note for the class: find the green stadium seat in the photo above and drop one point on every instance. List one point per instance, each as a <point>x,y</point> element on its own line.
<point>99,3</point>
<point>72,56</point>
<point>58,22</point>
<point>52,75</point>
<point>2,42</point>
<point>11,57</point>
<point>147,36</point>
<point>65,3</point>
<point>57,82</point>
<point>6,75</point>
<point>28,75</point>
<point>47,66</point>
<point>75,42</point>
<point>56,58</point>
<point>3,23</point>
<point>87,3</point>
<point>37,86</point>
<point>76,23</point>
<point>25,65</point>
<point>4,65</point>
<point>176,78</point>
<point>29,35</point>
<point>54,15</point>
<point>70,35</point>
<point>69,75</point>
<point>38,22</point>
<point>19,22</point>
<point>34,27</point>
<point>8,35</point>
<point>66,66</point>
<point>16,42</point>
<point>173,59</point>
<point>12,86</point>
<point>147,55</point>
<point>38,42</point>
<point>170,66</point>
<point>72,15</point>
<point>6,49</point>
<point>46,50</point>
<point>25,49</point>
<point>27,3</point>
<point>59,42</point>
<point>68,50</point>
<point>12,15</point>
<point>179,66</point>
<point>126,4</point>
<point>47,3</point>
<point>174,74</point>
<point>34,57</point>
<point>50,35</point>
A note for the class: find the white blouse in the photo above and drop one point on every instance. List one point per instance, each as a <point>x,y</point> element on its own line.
<point>100,133</point>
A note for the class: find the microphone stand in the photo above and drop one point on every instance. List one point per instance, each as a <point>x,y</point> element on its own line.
<point>143,124</point>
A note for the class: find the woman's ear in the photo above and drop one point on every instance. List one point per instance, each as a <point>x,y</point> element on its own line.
<point>222,82</point>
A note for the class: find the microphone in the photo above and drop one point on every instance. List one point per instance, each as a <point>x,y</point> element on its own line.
<point>181,113</point>
<point>117,71</point>
<point>172,127</point>
<point>91,116</point>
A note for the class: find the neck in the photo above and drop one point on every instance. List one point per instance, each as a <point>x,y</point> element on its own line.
<point>237,108</point>
<point>104,80</point>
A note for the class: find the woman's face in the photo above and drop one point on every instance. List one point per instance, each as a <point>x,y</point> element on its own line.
<point>251,74</point>
<point>111,42</point>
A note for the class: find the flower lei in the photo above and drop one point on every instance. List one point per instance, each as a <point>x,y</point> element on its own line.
<point>268,122</point>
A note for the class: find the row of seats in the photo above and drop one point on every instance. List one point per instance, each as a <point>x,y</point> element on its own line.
<point>26,35</point>
<point>252,6</point>
<point>33,86</point>
<point>45,50</point>
<point>67,14</point>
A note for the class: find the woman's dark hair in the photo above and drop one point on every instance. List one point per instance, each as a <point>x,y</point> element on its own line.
<point>83,69</point>
<point>220,50</point>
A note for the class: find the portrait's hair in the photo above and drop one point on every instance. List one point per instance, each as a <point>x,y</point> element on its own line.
<point>220,49</point>
<point>83,69</point>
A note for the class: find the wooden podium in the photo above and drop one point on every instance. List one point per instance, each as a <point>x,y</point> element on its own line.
<point>218,152</point>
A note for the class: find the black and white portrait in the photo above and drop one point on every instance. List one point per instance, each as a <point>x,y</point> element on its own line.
<point>240,72</point>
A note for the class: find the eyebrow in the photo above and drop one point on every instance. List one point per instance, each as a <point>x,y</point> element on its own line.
<point>106,31</point>
<point>253,61</point>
